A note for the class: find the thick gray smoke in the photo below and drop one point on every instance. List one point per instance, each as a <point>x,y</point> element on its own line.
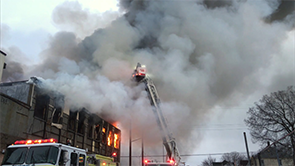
<point>15,70</point>
<point>199,54</point>
<point>71,16</point>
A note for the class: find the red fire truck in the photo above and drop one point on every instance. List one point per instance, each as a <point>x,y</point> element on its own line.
<point>48,152</point>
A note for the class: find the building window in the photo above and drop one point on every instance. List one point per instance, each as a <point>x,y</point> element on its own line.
<point>97,134</point>
<point>57,113</point>
<point>90,127</point>
<point>116,140</point>
<point>81,126</point>
<point>104,135</point>
<point>72,120</point>
<point>41,107</point>
<point>110,138</point>
<point>57,118</point>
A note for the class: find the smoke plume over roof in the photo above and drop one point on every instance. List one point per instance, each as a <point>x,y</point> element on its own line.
<point>200,54</point>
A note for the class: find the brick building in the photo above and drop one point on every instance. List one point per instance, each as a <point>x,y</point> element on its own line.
<point>28,112</point>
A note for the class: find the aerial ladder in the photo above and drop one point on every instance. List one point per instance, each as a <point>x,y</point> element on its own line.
<point>139,75</point>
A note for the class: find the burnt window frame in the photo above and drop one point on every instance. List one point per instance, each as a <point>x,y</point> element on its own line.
<point>81,124</point>
<point>104,135</point>
<point>41,105</point>
<point>72,122</point>
<point>90,133</point>
<point>57,115</point>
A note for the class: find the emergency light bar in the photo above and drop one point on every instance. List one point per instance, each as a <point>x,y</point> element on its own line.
<point>171,161</point>
<point>37,141</point>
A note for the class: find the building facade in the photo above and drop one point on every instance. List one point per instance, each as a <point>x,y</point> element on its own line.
<point>272,157</point>
<point>28,112</point>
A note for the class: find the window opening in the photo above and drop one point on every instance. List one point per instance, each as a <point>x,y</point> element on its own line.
<point>41,106</point>
<point>74,158</point>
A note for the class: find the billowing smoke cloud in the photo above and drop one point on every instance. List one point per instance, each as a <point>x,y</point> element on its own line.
<point>199,54</point>
<point>284,8</point>
<point>72,17</point>
<point>14,70</point>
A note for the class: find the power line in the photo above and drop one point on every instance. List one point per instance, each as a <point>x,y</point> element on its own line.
<point>221,126</point>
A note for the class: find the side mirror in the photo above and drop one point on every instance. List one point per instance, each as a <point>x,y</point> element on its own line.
<point>3,151</point>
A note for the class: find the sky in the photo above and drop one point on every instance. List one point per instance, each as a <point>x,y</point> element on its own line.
<point>210,62</point>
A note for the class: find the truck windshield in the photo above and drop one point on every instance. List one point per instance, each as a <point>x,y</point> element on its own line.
<point>32,155</point>
<point>14,156</point>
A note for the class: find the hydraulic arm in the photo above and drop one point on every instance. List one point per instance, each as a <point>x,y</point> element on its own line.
<point>139,75</point>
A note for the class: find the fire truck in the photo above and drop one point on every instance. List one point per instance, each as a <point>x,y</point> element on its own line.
<point>48,152</point>
<point>173,157</point>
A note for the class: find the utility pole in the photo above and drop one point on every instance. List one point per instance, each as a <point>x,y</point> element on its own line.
<point>249,160</point>
<point>130,146</point>
<point>142,150</point>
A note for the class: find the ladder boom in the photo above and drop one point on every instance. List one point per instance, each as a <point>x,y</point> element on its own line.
<point>168,140</point>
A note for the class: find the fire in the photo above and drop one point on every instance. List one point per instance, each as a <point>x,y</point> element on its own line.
<point>103,130</point>
<point>115,124</point>
<point>116,141</point>
<point>110,139</point>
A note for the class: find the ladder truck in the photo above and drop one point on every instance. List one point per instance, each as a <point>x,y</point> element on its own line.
<point>139,75</point>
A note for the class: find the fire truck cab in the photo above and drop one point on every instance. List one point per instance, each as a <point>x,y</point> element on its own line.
<point>43,152</point>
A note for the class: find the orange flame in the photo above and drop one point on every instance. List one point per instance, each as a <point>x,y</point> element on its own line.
<point>115,124</point>
<point>115,141</point>
<point>110,139</point>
